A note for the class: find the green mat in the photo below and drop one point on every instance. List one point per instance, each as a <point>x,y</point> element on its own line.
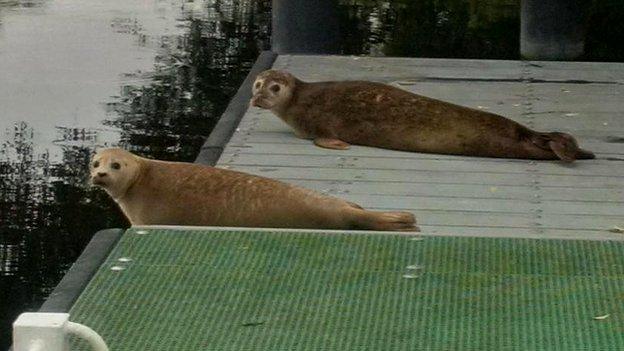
<point>248,290</point>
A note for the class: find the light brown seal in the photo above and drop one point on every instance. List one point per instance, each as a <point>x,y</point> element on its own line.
<point>152,192</point>
<point>336,114</point>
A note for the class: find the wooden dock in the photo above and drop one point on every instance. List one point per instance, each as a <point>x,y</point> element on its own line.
<point>472,283</point>
<point>455,195</point>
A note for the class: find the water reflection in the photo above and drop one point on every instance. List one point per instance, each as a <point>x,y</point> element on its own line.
<point>200,52</point>
<point>195,76</point>
<point>451,28</point>
<point>463,29</point>
<point>605,32</point>
<point>47,215</point>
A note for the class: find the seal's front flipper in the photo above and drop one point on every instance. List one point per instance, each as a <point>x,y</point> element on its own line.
<point>566,147</point>
<point>330,143</point>
<point>563,151</point>
<point>563,145</point>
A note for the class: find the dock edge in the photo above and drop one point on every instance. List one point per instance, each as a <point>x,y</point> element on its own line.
<point>215,143</point>
<point>78,276</point>
<point>67,291</point>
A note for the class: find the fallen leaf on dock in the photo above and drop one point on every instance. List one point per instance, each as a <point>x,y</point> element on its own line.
<point>252,324</point>
<point>616,229</point>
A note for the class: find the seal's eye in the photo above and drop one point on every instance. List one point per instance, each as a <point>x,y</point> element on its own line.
<point>96,164</point>
<point>275,88</point>
<point>115,165</point>
<point>257,85</point>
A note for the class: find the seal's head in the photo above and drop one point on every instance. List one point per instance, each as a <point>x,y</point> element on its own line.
<point>273,89</point>
<point>114,170</point>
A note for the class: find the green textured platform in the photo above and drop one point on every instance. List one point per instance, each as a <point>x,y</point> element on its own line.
<point>252,290</point>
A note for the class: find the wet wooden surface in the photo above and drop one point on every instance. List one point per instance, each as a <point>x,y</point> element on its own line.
<point>456,195</point>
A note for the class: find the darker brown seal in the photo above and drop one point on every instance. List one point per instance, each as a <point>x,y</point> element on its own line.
<point>152,192</point>
<point>336,114</point>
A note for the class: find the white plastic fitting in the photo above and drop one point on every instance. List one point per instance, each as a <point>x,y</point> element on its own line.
<point>49,331</point>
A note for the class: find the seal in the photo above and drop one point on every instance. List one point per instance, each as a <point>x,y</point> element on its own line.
<point>152,192</point>
<point>337,114</point>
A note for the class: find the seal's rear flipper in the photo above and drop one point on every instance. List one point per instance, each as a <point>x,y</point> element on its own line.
<point>393,221</point>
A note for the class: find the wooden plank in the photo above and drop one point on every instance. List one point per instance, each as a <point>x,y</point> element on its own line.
<point>578,169</point>
<point>433,177</point>
<point>316,68</point>
<point>553,121</point>
<point>238,146</point>
<point>587,71</point>
<point>452,191</point>
<point>488,205</point>
<point>608,144</point>
<point>515,220</point>
<point>520,233</point>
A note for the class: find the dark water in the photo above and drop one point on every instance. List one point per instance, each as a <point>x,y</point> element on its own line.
<point>153,76</point>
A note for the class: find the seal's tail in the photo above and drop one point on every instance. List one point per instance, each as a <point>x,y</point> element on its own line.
<point>564,146</point>
<point>392,221</point>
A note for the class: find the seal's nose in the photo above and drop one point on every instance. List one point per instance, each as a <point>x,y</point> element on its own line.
<point>99,179</point>
<point>259,100</point>
<point>254,101</point>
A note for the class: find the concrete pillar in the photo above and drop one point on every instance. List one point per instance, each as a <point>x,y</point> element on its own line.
<point>305,27</point>
<point>552,29</point>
